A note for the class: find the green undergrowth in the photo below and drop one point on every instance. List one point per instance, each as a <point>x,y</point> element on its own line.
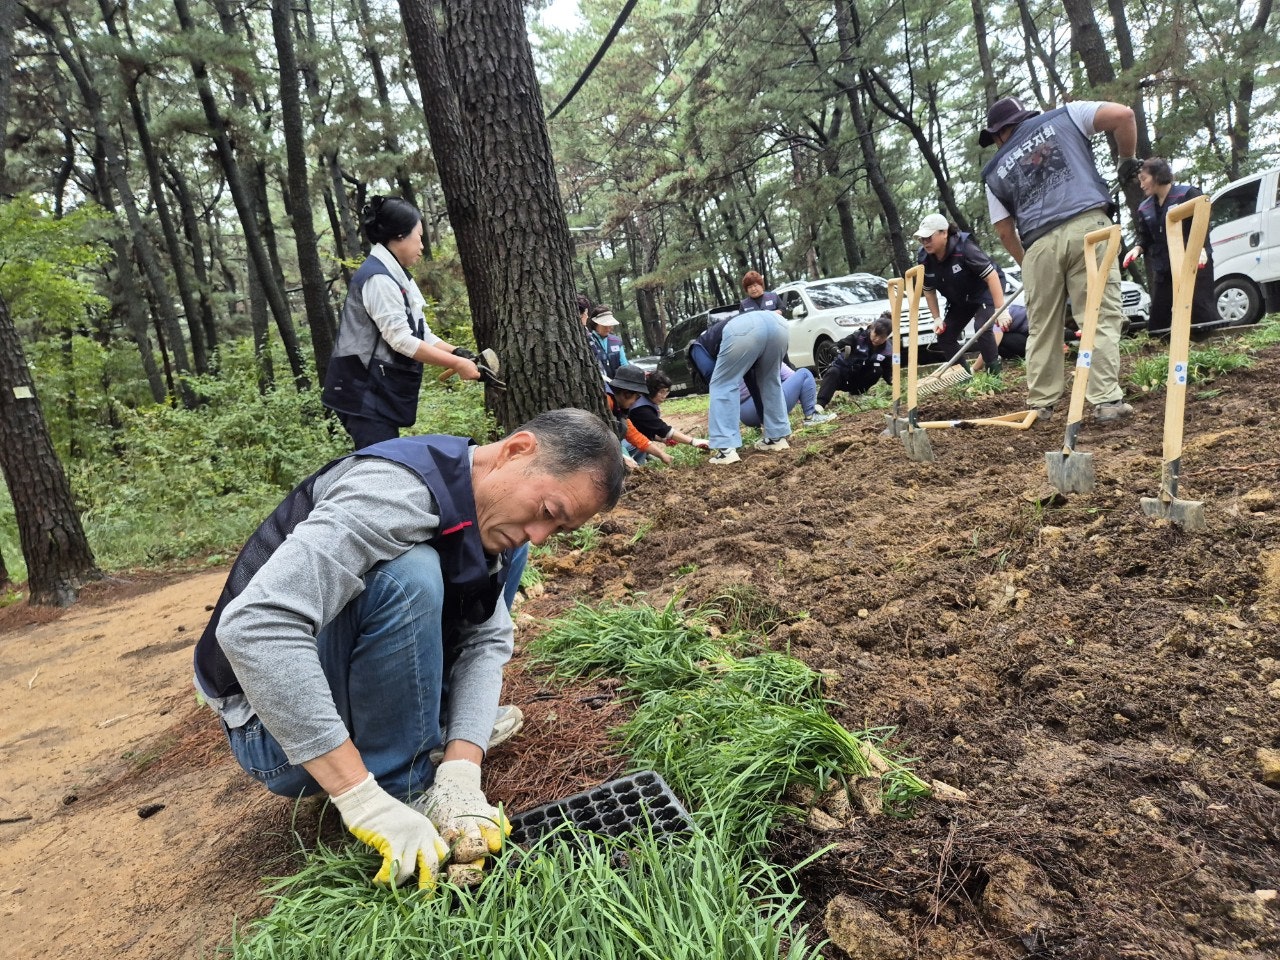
<point>1150,372</point>
<point>729,725</point>
<point>692,898</point>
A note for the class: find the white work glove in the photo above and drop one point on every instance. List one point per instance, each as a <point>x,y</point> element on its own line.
<point>459,809</point>
<point>700,443</point>
<point>406,839</point>
<point>1131,256</point>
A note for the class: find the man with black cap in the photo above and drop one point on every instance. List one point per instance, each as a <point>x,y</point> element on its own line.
<point>1044,195</point>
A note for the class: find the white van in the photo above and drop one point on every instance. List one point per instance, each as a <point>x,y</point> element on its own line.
<point>1245,233</point>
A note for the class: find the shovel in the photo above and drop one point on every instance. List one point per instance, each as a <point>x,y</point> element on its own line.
<point>1183,258</point>
<point>915,438</point>
<point>1069,470</point>
<point>893,428</point>
<point>489,367</point>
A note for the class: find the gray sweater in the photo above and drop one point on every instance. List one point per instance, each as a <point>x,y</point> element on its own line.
<point>366,510</point>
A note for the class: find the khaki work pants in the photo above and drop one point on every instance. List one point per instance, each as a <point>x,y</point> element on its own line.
<point>1053,270</point>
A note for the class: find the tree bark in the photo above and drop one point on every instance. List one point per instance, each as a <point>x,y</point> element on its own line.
<point>484,113</point>
<point>984,51</point>
<point>314,292</point>
<point>191,230</point>
<point>8,21</point>
<point>59,560</point>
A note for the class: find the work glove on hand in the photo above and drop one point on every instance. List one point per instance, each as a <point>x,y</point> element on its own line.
<point>700,443</point>
<point>459,809</point>
<point>1128,169</point>
<point>1131,256</point>
<point>406,839</point>
<point>1203,261</point>
<point>465,354</point>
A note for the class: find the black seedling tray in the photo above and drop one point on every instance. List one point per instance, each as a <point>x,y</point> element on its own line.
<point>611,809</point>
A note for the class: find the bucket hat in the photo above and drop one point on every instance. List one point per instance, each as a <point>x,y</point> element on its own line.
<point>1007,111</point>
<point>630,377</point>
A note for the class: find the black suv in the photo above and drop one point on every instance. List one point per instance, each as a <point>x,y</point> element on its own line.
<point>674,361</point>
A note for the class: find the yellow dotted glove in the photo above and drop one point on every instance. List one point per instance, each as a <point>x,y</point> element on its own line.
<point>458,808</point>
<point>407,840</point>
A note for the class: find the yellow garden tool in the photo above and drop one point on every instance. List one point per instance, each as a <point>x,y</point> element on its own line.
<point>1071,471</point>
<point>1184,259</point>
<point>914,437</point>
<point>893,428</point>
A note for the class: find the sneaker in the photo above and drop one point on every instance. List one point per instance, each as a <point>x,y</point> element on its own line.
<point>508,723</point>
<point>773,446</point>
<point>817,418</point>
<point>727,455</point>
<point>1116,410</point>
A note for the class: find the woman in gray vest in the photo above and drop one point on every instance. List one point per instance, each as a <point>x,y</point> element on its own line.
<point>383,340</point>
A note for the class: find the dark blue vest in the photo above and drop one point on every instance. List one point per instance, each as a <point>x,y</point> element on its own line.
<point>951,277</point>
<point>608,351</point>
<point>357,381</point>
<point>1152,215</point>
<point>471,592</point>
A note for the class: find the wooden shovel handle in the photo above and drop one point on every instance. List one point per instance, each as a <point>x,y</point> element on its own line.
<point>895,318</point>
<point>1098,272</point>
<point>1183,258</point>
<point>915,286</point>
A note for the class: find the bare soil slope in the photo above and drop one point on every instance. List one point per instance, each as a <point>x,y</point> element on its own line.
<point>1100,684</point>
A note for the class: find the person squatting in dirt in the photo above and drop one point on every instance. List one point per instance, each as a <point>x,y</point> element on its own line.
<point>1044,194</point>
<point>798,387</point>
<point>862,358</point>
<point>362,627</point>
<point>645,415</point>
<point>973,286</point>
<point>1155,177</point>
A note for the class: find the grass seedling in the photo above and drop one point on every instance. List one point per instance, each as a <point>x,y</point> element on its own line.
<point>1265,334</point>
<point>686,898</point>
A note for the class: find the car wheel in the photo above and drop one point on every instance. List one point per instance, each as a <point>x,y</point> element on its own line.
<point>1238,301</point>
<point>824,353</point>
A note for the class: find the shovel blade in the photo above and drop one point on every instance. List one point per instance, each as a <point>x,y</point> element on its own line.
<point>893,426</point>
<point>1188,514</point>
<point>1070,472</point>
<point>917,445</point>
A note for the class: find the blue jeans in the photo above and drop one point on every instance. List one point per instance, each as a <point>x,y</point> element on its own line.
<point>755,341</point>
<point>384,658</point>
<point>519,560</point>
<point>799,388</point>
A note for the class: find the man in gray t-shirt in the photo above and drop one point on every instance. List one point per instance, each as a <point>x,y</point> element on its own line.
<point>370,602</point>
<point>1044,194</point>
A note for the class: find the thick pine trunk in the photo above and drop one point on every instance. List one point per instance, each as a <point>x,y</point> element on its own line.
<point>484,113</point>
<point>59,561</point>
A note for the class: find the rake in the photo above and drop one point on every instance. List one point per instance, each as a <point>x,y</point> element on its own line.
<point>950,375</point>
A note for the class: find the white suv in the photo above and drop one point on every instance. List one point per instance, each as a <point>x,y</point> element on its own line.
<point>820,312</point>
<point>1246,247</point>
<point>1134,301</point>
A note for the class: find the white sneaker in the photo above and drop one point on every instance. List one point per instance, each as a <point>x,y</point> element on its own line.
<point>727,455</point>
<point>773,446</point>
<point>506,725</point>
<point>817,418</point>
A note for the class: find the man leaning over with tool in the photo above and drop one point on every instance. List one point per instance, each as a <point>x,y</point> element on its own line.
<point>369,604</point>
<point>1044,194</point>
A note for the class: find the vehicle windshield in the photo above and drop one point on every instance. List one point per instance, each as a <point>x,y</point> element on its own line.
<point>846,293</point>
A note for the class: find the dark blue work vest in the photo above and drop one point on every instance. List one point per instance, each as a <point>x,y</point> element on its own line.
<point>471,592</point>
<point>361,383</point>
<point>1152,215</point>
<point>608,351</point>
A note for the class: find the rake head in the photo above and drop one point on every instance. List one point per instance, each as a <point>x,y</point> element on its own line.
<point>937,382</point>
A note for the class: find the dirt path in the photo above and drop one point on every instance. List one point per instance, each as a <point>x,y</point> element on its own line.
<point>1105,687</point>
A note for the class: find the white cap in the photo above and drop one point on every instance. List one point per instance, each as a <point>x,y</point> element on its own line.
<point>604,320</point>
<point>931,225</point>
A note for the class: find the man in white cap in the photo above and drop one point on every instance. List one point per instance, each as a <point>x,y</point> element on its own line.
<point>955,266</point>
<point>1044,195</point>
<point>605,344</point>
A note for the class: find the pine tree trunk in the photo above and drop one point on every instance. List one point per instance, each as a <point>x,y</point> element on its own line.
<point>314,295</point>
<point>191,230</point>
<point>483,105</point>
<point>8,20</point>
<point>59,561</point>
